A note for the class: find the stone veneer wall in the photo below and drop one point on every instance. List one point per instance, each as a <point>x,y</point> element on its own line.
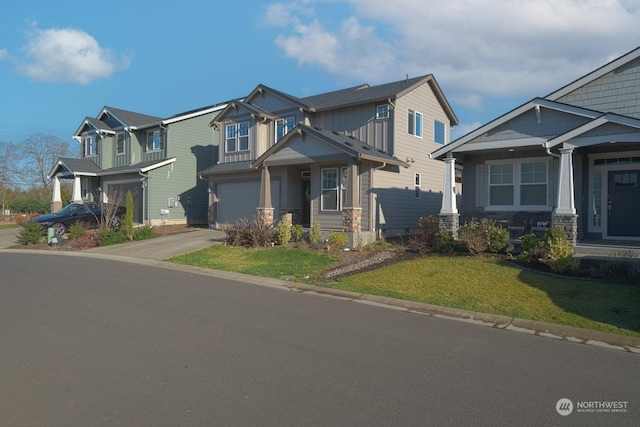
<point>569,223</point>
<point>450,222</point>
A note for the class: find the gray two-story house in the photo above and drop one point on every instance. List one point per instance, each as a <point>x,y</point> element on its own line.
<point>353,160</point>
<point>154,158</point>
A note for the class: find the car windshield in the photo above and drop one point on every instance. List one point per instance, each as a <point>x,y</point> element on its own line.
<point>67,210</point>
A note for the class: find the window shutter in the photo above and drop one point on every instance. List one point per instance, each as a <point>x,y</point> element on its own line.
<point>481,185</point>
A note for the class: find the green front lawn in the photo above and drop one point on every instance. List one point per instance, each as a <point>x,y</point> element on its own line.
<point>2,226</point>
<point>487,285</point>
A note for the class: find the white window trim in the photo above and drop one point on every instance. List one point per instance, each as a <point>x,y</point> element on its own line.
<point>415,123</point>
<point>444,130</point>
<point>378,115</point>
<point>285,127</point>
<point>517,166</point>
<point>417,183</point>
<point>90,141</point>
<point>237,137</point>
<point>150,141</point>
<point>341,170</point>
<point>124,143</point>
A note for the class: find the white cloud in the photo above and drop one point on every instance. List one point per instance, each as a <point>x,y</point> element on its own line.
<point>69,55</point>
<point>493,48</point>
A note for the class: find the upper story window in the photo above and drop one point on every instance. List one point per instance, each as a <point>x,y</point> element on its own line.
<point>438,132</point>
<point>89,143</point>
<point>382,111</point>
<point>284,126</point>
<point>120,143</point>
<point>237,137</point>
<point>154,141</point>
<point>415,123</point>
<point>518,184</point>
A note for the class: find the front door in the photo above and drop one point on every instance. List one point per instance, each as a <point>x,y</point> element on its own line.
<point>623,204</point>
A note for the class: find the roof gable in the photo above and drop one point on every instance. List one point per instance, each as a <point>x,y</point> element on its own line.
<point>337,141</point>
<point>90,123</point>
<point>236,105</point>
<point>129,118</point>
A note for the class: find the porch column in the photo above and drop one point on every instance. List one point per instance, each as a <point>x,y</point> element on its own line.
<point>449,219</point>
<point>566,204</point>
<point>77,190</point>
<point>56,199</point>
<point>265,208</point>
<point>564,215</point>
<point>351,209</point>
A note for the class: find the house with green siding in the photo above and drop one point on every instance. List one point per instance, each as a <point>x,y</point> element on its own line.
<point>354,160</point>
<point>154,158</point>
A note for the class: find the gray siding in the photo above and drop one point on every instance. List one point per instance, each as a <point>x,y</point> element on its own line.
<point>616,92</point>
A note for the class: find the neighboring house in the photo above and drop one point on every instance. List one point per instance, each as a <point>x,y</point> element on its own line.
<point>571,158</point>
<point>353,160</point>
<point>154,158</point>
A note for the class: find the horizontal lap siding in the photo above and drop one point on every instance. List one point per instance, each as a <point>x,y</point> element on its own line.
<point>396,208</point>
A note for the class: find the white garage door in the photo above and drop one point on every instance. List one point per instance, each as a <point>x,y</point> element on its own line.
<point>238,200</point>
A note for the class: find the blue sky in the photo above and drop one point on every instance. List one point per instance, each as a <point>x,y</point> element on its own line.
<point>62,61</point>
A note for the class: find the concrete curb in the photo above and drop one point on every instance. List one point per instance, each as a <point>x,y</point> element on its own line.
<point>543,329</point>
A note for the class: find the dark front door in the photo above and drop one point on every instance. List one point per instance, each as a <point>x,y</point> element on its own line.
<point>623,204</point>
<point>306,203</point>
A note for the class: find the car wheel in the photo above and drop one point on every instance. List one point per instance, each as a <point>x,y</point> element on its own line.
<point>59,228</point>
<point>115,222</point>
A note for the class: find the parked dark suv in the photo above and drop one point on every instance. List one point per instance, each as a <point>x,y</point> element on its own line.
<point>89,214</point>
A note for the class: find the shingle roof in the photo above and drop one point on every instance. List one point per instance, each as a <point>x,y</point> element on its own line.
<point>131,118</point>
<point>360,94</point>
<point>227,167</point>
<point>80,165</point>
<point>98,124</point>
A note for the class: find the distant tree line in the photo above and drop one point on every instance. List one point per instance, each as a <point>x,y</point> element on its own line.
<point>24,166</point>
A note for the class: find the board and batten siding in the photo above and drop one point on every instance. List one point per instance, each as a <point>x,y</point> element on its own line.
<point>396,207</point>
<point>359,122</point>
<point>255,133</point>
<point>616,92</point>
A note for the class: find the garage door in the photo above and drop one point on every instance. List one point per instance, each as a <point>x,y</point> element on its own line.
<point>238,200</point>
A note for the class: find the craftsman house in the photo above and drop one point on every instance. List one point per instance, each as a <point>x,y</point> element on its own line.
<point>154,158</point>
<point>571,158</point>
<point>353,160</point>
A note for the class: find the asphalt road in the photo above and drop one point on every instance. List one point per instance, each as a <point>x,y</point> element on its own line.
<point>91,342</point>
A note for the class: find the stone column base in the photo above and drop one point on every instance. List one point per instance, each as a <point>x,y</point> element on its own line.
<point>569,222</point>
<point>449,222</point>
<point>56,206</point>
<point>265,216</point>
<point>351,220</point>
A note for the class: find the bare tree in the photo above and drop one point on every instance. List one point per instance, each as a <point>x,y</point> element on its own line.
<point>39,154</point>
<point>9,157</point>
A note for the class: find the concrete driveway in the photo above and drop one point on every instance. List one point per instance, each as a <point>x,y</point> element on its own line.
<point>8,237</point>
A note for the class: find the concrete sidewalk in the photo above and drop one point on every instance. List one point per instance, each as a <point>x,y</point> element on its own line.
<point>9,237</point>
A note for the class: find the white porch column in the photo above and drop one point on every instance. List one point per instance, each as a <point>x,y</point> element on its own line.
<point>56,190</point>
<point>566,202</point>
<point>77,190</point>
<point>449,188</point>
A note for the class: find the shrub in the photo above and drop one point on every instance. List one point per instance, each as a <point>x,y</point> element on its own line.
<point>144,233</point>
<point>444,242</point>
<point>529,241</point>
<point>30,233</point>
<point>248,233</point>
<point>484,236</point>
<point>109,236</point>
<point>429,223</point>
<point>127,220</point>
<point>297,231</point>
<point>422,241</point>
<point>337,241</point>
<point>76,230</point>
<point>560,250</point>
<point>31,203</point>
<point>283,231</point>
<point>315,234</point>
<point>533,250</point>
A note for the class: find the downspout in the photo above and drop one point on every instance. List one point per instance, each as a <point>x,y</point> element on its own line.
<point>145,188</point>
<point>544,145</point>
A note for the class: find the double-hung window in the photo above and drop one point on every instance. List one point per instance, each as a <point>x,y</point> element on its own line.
<point>415,123</point>
<point>120,143</point>
<point>382,111</point>
<point>237,137</point>
<point>519,184</point>
<point>284,126</point>
<point>89,142</point>
<point>153,140</point>
<point>334,188</point>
